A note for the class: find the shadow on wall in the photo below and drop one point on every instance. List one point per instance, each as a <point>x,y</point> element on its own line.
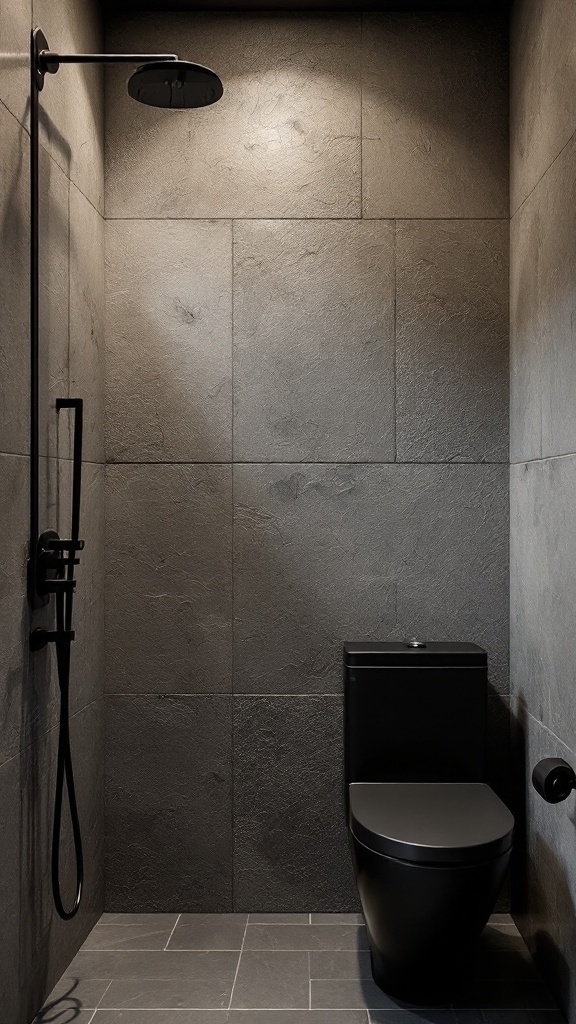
<point>541,893</point>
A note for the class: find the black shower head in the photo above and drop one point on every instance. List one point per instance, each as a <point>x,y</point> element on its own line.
<point>178,84</point>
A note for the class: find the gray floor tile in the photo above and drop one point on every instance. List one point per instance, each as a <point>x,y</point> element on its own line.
<point>402,1015</point>
<point>209,931</point>
<point>168,920</point>
<point>340,966</point>
<point>209,992</point>
<point>217,966</point>
<point>160,1017</point>
<point>522,1017</point>
<point>71,997</point>
<point>319,936</point>
<point>94,964</point>
<point>128,937</point>
<point>278,918</point>
<point>81,1017</point>
<point>297,1017</point>
<point>336,919</point>
<point>350,994</point>
<point>270,979</point>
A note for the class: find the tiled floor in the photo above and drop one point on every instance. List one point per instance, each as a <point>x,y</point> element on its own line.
<point>274,969</point>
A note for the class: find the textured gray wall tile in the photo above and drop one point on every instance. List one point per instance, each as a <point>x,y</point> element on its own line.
<point>32,963</point>
<point>544,353</point>
<point>314,565</point>
<point>88,650</point>
<point>14,284</point>
<point>169,341</point>
<point>169,803</point>
<point>53,308</point>
<point>169,579</point>
<point>15,26</point>
<point>452,341</point>
<point>453,577</point>
<point>542,112</point>
<point>527,242</point>
<point>72,108</point>
<point>434,124</point>
<point>543,567</point>
<point>314,341</point>
<point>545,876</point>
<point>290,848</point>
<point>284,141</point>
<point>325,554</point>
<point>87,305</point>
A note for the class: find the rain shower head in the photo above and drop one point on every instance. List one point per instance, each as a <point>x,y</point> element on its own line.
<point>177,84</point>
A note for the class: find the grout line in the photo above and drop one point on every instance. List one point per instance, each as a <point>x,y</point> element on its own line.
<point>309,983</point>
<point>542,176</point>
<point>238,964</point>
<point>102,997</point>
<point>544,458</point>
<point>172,932</point>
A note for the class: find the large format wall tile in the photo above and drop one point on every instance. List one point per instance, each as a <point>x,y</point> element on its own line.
<point>543,81</point>
<point>71,103</point>
<point>543,569</point>
<point>434,117</point>
<point>545,871</point>
<point>53,306</point>
<point>325,554</point>
<point>88,650</point>
<point>168,598</point>
<point>169,803</point>
<point>284,141</point>
<point>15,26</point>
<point>314,341</point>
<point>14,284</point>
<point>452,341</point>
<point>87,311</point>
<point>544,313</point>
<point>169,341</point>
<point>290,849</point>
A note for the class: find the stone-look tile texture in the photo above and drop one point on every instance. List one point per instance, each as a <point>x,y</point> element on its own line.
<point>288,760</point>
<point>451,341</point>
<point>36,946</point>
<point>542,56</point>
<point>284,141</point>
<point>169,802</point>
<point>313,341</point>
<point>543,482</point>
<point>434,116</point>
<point>169,579</point>
<point>169,347</point>
<point>352,371</point>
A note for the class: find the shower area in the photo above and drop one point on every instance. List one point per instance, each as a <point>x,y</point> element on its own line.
<point>320,327</point>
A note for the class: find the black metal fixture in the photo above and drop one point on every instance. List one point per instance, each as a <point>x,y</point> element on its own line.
<point>553,779</point>
<point>162,80</point>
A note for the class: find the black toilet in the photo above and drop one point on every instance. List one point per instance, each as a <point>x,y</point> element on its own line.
<point>430,841</point>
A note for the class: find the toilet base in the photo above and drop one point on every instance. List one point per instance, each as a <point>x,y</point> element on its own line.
<point>423,921</point>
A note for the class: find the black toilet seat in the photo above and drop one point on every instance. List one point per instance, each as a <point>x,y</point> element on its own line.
<point>431,822</point>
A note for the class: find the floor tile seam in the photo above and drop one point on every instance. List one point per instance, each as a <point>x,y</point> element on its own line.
<point>304,220</point>
<point>172,932</point>
<point>238,964</point>
<point>102,996</point>
<point>309,983</point>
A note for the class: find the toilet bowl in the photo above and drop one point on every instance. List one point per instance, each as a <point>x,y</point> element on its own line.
<point>430,840</point>
<point>429,860</point>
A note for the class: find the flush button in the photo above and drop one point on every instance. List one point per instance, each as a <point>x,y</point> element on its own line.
<point>415,643</point>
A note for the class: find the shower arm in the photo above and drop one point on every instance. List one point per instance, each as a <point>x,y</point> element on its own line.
<point>49,61</point>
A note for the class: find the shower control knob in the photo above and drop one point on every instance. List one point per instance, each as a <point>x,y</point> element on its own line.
<point>553,779</point>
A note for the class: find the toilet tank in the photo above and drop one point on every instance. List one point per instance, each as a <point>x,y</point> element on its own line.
<point>415,713</point>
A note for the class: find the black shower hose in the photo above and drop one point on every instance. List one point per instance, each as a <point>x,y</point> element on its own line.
<point>65,775</point>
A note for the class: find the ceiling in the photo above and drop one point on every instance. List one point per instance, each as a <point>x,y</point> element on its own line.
<point>306,5</point>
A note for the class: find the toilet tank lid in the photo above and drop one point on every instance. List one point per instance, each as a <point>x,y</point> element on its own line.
<point>431,652</point>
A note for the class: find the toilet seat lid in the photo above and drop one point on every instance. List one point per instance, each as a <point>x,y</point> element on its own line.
<point>431,822</point>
